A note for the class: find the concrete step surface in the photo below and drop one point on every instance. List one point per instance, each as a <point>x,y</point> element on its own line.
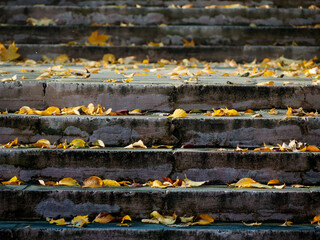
<point>67,15</point>
<point>200,164</point>
<point>198,130</point>
<point>209,53</point>
<point>41,230</point>
<point>168,35</point>
<point>299,205</point>
<point>166,3</point>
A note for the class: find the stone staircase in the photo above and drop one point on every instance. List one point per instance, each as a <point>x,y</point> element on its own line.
<point>243,34</point>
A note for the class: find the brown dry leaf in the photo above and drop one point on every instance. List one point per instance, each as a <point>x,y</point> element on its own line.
<point>312,149</point>
<point>10,53</point>
<point>110,183</point>
<point>270,83</point>
<point>315,219</point>
<point>238,149</point>
<point>98,39</point>
<point>77,143</point>
<point>203,219</point>
<point>134,145</point>
<point>13,181</point>
<point>79,221</point>
<point>42,143</point>
<point>188,43</point>
<point>251,224</point>
<point>68,182</point>
<point>286,224</point>
<point>58,222</point>
<point>167,220</point>
<point>10,144</point>
<point>299,186</point>
<point>179,113</point>
<point>103,218</point>
<point>93,182</point>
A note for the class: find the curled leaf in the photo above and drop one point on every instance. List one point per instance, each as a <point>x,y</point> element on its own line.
<point>138,144</point>
<point>13,181</point>
<point>98,143</point>
<point>274,182</point>
<point>315,219</point>
<point>252,224</point>
<point>42,143</point>
<point>167,220</point>
<point>286,224</point>
<point>10,144</point>
<point>273,111</point>
<point>203,219</point>
<point>80,221</point>
<point>59,222</point>
<point>110,183</point>
<point>68,182</point>
<point>93,182</point>
<point>179,113</point>
<point>190,183</point>
<point>103,218</point>
<point>77,143</point>
<point>186,219</point>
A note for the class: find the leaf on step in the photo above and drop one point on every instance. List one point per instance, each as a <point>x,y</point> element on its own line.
<point>68,182</point>
<point>61,59</point>
<point>238,149</point>
<point>13,181</point>
<point>190,183</point>
<point>98,39</point>
<point>80,221</point>
<point>273,111</point>
<point>274,182</point>
<point>42,22</point>
<point>251,224</point>
<point>312,148</point>
<point>250,183</point>
<point>93,182</point>
<point>59,222</point>
<point>203,219</point>
<point>123,224</point>
<point>134,145</point>
<point>161,146</point>
<point>109,58</point>
<point>179,113</point>
<point>77,143</point>
<point>270,83</point>
<point>10,144</point>
<point>154,44</point>
<point>167,220</point>
<point>188,43</point>
<point>157,184</point>
<point>98,143</point>
<point>152,221</point>
<point>286,224</point>
<point>48,112</point>
<point>135,112</point>
<point>249,112</point>
<point>42,143</point>
<point>187,6</point>
<point>316,219</point>
<point>10,53</point>
<point>49,183</point>
<point>186,219</point>
<point>103,218</point>
<point>110,183</point>
<point>10,79</point>
<point>63,145</point>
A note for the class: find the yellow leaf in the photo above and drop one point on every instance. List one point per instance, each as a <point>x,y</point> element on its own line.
<point>251,224</point>
<point>59,222</point>
<point>63,145</point>
<point>316,219</point>
<point>249,112</point>
<point>126,218</point>
<point>188,44</point>
<point>109,58</point>
<point>161,146</point>
<point>270,83</point>
<point>134,145</point>
<point>10,53</point>
<point>42,143</point>
<point>191,183</point>
<point>153,44</point>
<point>187,6</point>
<point>273,111</point>
<point>77,143</point>
<point>61,59</point>
<point>157,184</point>
<point>10,144</point>
<point>167,220</point>
<point>286,224</point>
<point>80,221</point>
<point>313,149</point>
<point>179,113</point>
<point>152,221</point>
<point>290,111</point>
<point>274,182</point>
<point>98,39</point>
<point>250,183</point>
<point>93,182</point>
<point>68,182</point>
<point>135,112</point>
<point>186,219</point>
<point>110,183</point>
<point>232,112</point>
<point>203,219</point>
<point>103,218</point>
<point>13,181</point>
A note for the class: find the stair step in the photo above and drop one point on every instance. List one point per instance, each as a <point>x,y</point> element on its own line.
<point>42,230</point>
<point>67,15</point>
<point>168,35</point>
<point>198,130</point>
<point>209,53</point>
<point>211,165</point>
<point>224,204</point>
<point>161,3</point>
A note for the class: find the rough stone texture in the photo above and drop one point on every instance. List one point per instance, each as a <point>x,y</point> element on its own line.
<point>168,35</point>
<point>156,95</point>
<point>224,204</point>
<point>156,15</point>
<point>145,164</point>
<point>42,231</point>
<point>209,53</point>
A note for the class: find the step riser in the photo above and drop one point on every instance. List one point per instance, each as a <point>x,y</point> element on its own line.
<point>224,204</point>
<point>171,35</point>
<point>154,15</point>
<point>208,53</point>
<point>216,167</point>
<point>155,98</point>
<point>161,3</point>
<point>157,233</point>
<point>121,131</point>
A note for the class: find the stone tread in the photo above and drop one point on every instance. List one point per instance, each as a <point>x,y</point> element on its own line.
<point>241,204</point>
<point>41,231</point>
<point>168,35</point>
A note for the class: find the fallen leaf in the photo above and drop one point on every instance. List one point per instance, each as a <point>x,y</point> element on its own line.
<point>250,183</point>
<point>80,221</point>
<point>68,182</point>
<point>13,181</point>
<point>134,145</point>
<point>190,183</point>
<point>10,53</point>
<point>286,224</point>
<point>98,143</point>
<point>270,83</point>
<point>273,111</point>
<point>203,219</point>
<point>93,182</point>
<point>125,218</point>
<point>42,143</point>
<point>157,184</point>
<point>10,79</point>
<point>274,182</point>
<point>109,58</point>
<point>152,221</point>
<point>167,220</point>
<point>49,183</point>
<point>103,218</point>
<point>162,146</point>
<point>98,39</point>
<point>61,59</point>
<point>42,22</point>
<point>135,112</point>
<point>188,43</point>
<point>77,143</point>
<point>179,113</point>
<point>59,222</point>
<point>251,224</point>
<point>249,112</point>
<point>186,219</point>
<point>311,148</point>
<point>153,44</point>
<point>110,183</point>
<point>256,115</point>
<point>10,144</point>
<point>316,219</point>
